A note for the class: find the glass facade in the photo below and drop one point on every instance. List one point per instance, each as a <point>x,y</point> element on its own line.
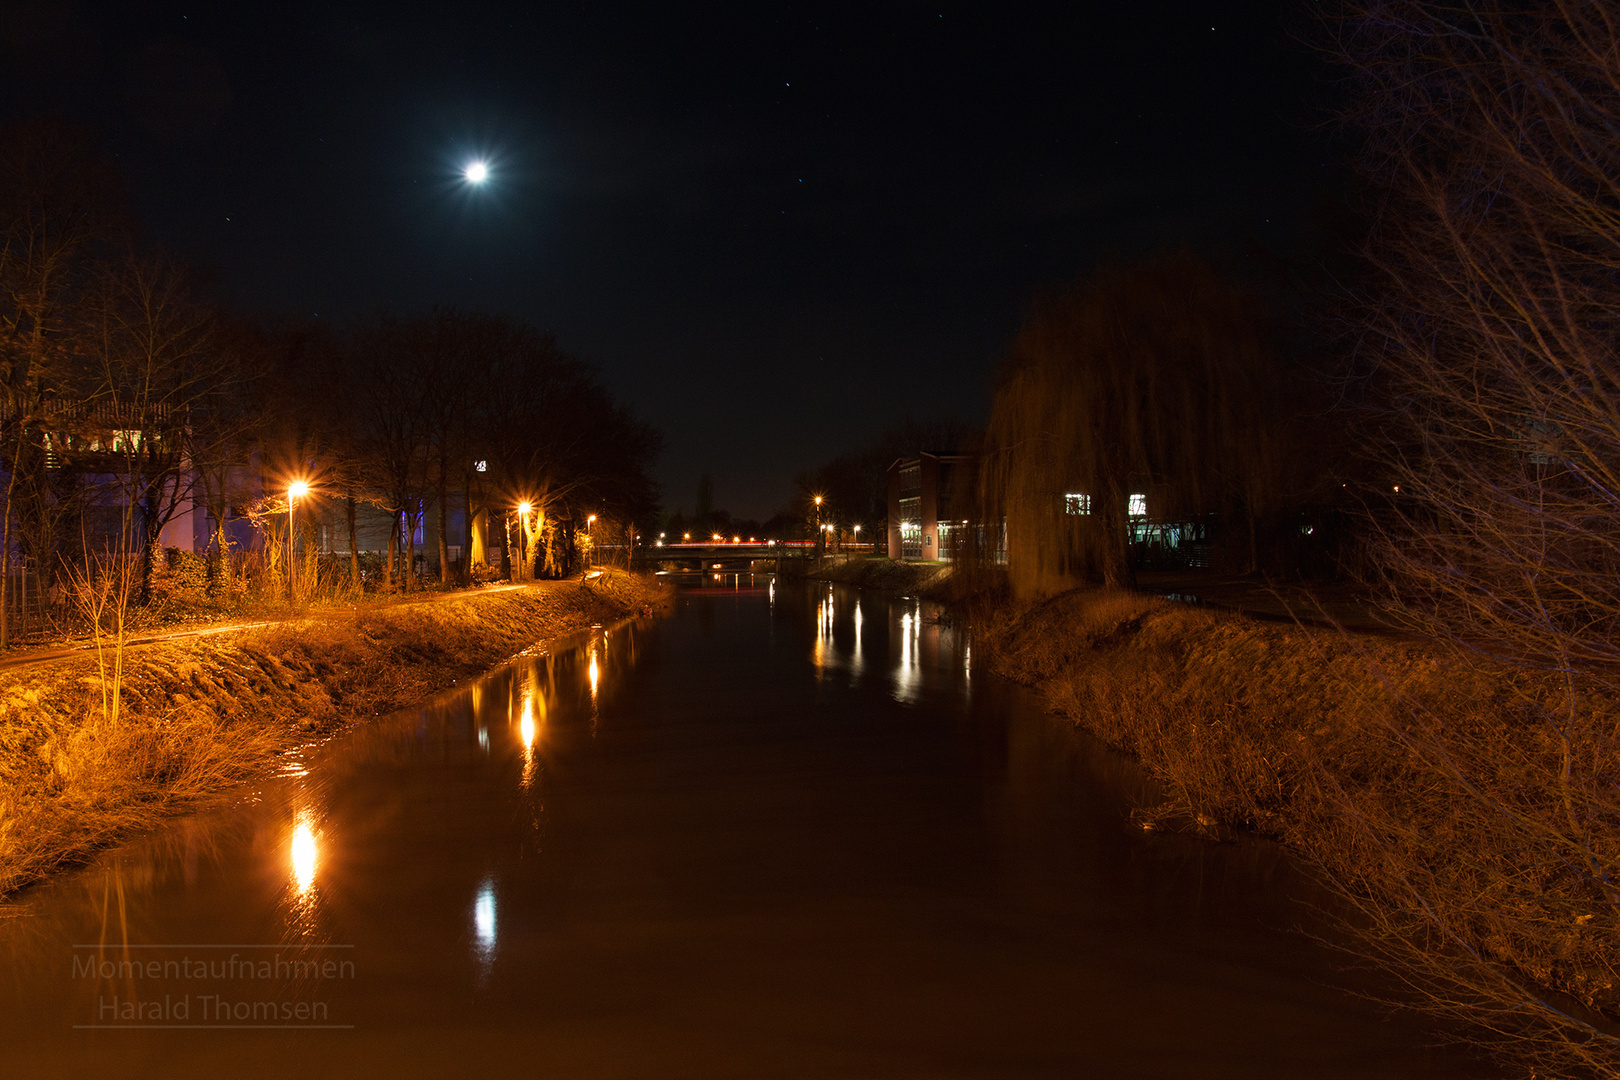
<point>911,533</point>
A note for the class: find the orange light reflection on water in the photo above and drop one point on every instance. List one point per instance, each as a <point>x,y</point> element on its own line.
<point>305,854</point>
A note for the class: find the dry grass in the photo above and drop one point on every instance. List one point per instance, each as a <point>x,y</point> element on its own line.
<point>1478,844</point>
<point>201,714</point>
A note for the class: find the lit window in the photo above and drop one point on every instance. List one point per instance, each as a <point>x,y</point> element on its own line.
<point>1076,504</point>
<point>1138,506</point>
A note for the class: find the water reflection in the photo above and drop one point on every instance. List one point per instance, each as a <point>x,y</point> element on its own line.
<point>304,852</point>
<point>856,660</point>
<point>714,883</point>
<point>906,675</point>
<point>822,655</point>
<point>484,921</point>
<point>528,730</point>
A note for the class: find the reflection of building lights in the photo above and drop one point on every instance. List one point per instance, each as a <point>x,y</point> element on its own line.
<point>484,918</point>
<point>596,676</point>
<point>907,675</point>
<point>303,855</point>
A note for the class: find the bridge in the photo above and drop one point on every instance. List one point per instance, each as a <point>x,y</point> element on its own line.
<point>734,555</point>
<point>722,555</point>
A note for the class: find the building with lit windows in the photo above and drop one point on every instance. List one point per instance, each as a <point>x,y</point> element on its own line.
<point>922,514</point>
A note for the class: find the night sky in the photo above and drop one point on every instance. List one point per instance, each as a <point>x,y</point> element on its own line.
<point>775,229</point>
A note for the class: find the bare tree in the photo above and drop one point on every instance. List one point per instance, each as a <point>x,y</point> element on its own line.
<point>151,355</point>
<point>395,410</point>
<point>58,203</point>
<point>1491,139</point>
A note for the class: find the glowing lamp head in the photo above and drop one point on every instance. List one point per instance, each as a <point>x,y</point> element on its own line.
<point>524,508</point>
<point>297,489</point>
<point>818,500</point>
<point>477,172</point>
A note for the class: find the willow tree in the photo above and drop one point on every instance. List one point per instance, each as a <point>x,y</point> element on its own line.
<point>1154,379</point>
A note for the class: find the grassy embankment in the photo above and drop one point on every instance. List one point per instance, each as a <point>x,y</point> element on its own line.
<point>199,714</point>
<point>1418,782</point>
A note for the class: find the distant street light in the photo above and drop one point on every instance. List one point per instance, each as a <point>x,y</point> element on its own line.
<point>477,172</point>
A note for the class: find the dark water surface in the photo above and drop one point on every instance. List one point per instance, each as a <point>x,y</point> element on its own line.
<point>787,832</point>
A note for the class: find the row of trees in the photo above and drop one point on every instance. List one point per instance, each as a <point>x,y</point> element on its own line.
<point>455,415</point>
<point>126,398</point>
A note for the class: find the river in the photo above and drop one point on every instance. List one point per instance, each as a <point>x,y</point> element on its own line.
<point>787,831</point>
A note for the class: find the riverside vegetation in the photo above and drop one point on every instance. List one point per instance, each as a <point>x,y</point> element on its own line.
<point>1473,845</point>
<point>195,715</point>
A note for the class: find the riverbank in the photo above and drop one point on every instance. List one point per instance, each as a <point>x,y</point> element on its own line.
<point>80,769</point>
<point>1424,787</point>
<point>931,581</point>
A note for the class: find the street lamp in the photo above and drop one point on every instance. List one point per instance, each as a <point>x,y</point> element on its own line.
<point>295,491</point>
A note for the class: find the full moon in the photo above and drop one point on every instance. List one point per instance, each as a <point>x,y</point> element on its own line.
<point>477,172</point>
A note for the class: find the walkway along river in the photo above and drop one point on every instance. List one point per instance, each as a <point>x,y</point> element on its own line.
<point>789,831</point>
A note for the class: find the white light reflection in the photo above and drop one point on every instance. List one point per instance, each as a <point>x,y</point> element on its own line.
<point>907,675</point>
<point>484,926</point>
<point>857,661</point>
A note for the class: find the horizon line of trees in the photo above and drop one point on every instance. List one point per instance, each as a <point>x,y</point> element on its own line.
<point>128,397</point>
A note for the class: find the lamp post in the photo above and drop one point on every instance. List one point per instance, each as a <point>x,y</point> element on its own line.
<point>821,532</point>
<point>523,533</point>
<point>295,491</point>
